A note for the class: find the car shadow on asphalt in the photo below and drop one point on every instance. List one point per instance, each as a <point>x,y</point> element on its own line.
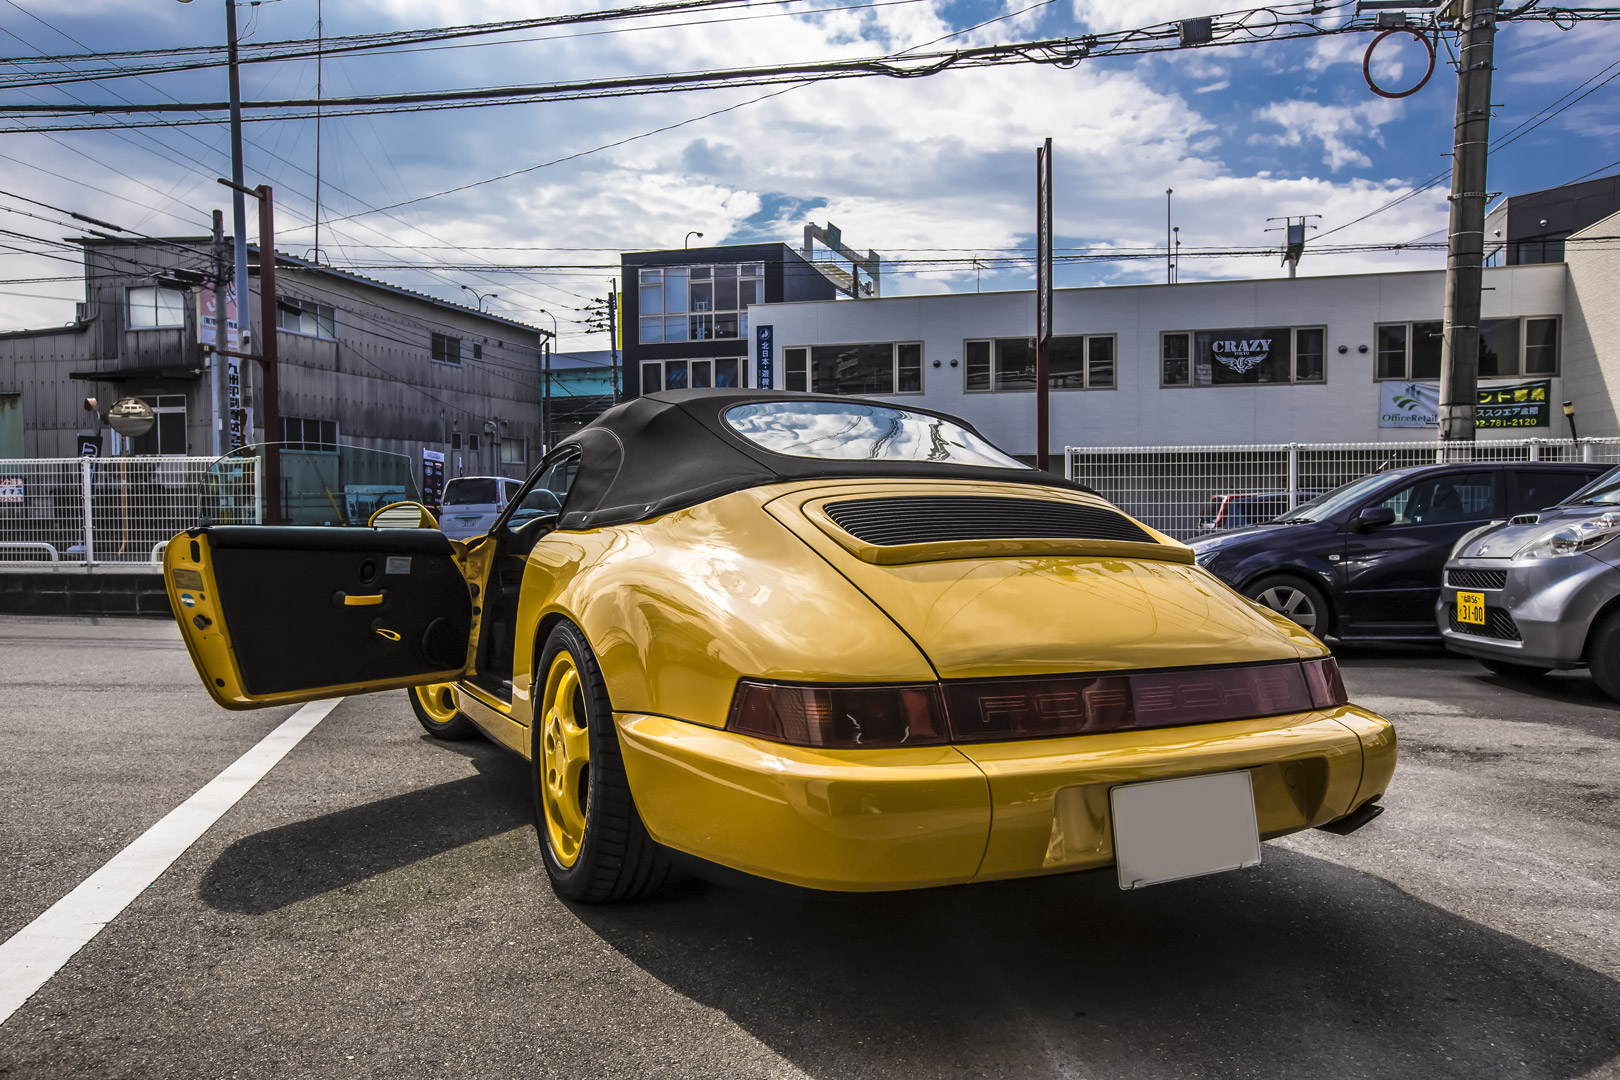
<point>270,870</point>
<point>1299,968</point>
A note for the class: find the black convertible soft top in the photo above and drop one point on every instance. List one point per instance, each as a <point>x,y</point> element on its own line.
<point>673,449</point>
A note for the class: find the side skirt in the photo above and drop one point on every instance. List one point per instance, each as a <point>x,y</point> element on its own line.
<point>500,728</point>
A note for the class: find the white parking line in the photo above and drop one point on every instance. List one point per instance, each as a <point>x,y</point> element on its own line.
<point>36,952</point>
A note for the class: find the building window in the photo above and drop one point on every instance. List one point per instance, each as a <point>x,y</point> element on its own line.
<point>1247,357</point>
<point>514,451</point>
<point>699,303</point>
<point>881,368</point>
<point>154,307</point>
<point>1075,362</point>
<point>446,350</point>
<point>1507,347</point>
<point>1541,346</point>
<point>298,433</point>
<point>1548,248</point>
<point>306,317</point>
<point>478,350</point>
<point>694,374</point>
<point>167,435</point>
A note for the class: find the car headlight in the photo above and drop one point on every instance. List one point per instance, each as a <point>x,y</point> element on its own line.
<point>1572,539</point>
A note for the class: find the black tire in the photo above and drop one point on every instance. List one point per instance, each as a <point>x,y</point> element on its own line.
<point>436,721</point>
<point>1507,669</point>
<point>614,860</point>
<point>1295,598</point>
<point>1603,655</point>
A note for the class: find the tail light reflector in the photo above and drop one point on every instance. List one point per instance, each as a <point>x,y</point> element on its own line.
<point>839,717</point>
<point>1327,686</point>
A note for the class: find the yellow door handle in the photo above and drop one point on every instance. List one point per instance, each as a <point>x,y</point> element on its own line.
<point>350,600</point>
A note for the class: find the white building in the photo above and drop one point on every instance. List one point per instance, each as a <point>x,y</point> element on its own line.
<point>1317,359</point>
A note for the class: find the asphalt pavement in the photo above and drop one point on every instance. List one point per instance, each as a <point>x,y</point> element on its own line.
<point>375,907</point>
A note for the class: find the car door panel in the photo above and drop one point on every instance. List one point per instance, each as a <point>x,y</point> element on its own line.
<point>274,615</point>
<point>1392,573</point>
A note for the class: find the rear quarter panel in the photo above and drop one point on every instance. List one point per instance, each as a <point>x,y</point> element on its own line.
<point>679,608</point>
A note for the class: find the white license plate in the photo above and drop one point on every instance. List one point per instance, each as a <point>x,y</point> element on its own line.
<point>1166,830</point>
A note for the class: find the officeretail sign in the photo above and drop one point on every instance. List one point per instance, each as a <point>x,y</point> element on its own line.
<point>1417,405</point>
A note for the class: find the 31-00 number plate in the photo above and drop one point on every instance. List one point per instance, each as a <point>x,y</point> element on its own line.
<point>1471,608</point>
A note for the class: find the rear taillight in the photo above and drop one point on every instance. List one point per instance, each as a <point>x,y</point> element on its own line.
<point>1021,708</point>
<point>985,710</point>
<point>1327,686</point>
<point>839,717</point>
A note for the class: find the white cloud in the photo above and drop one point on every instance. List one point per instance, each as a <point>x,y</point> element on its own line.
<point>942,162</point>
<point>1334,126</point>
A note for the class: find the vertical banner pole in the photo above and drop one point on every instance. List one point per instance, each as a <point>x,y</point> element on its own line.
<point>1043,303</point>
<point>89,512</point>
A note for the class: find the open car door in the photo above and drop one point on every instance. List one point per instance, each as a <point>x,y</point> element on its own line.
<point>282,614</point>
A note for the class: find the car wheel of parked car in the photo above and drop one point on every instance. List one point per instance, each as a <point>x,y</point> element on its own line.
<point>595,847</point>
<point>1603,656</point>
<point>1509,670</point>
<point>1294,597</point>
<point>437,710</point>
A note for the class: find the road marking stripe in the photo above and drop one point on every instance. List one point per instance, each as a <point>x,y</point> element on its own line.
<point>33,954</point>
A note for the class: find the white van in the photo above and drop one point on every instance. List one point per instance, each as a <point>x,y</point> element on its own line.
<point>472,503</point>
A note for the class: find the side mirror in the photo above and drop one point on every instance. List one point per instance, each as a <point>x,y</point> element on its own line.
<point>1374,517</point>
<point>403,515</point>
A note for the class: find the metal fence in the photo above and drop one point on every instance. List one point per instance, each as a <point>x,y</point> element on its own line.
<point>1181,490</point>
<point>88,511</point>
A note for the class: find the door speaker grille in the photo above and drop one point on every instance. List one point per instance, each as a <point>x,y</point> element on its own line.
<point>923,519</point>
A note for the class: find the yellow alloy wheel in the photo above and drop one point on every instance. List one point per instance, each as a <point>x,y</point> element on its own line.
<point>439,701</point>
<point>565,757</point>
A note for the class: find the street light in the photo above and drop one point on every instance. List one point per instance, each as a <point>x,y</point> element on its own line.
<point>481,296</point>
<point>688,242</point>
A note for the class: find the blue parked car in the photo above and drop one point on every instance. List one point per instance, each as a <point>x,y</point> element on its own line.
<point>1363,562</point>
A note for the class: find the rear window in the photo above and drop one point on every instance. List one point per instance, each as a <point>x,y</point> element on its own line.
<point>470,491</point>
<point>859,432</point>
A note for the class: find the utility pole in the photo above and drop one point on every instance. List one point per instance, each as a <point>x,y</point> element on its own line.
<point>1465,246</point>
<point>269,352</point>
<point>219,363</point>
<point>1043,304</point>
<point>238,187</point>
<point>269,355</point>
<point>545,392</point>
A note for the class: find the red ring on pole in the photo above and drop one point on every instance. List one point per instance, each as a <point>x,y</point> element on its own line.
<point>1366,63</point>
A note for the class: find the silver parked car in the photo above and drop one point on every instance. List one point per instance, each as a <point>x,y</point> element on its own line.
<point>1541,591</point>
<point>472,503</point>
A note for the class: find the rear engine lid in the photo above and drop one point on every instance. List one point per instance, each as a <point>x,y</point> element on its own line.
<point>988,586</point>
<point>938,525</point>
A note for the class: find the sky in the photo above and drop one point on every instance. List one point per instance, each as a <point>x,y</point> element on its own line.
<point>913,168</point>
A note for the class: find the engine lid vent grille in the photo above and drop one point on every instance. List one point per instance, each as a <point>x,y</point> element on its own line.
<point>925,519</point>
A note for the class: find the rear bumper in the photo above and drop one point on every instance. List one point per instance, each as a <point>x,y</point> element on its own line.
<point>922,816</point>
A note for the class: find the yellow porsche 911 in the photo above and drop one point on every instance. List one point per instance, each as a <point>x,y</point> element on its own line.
<point>835,643</point>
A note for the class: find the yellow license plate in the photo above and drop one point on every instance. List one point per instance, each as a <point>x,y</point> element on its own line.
<point>1471,608</point>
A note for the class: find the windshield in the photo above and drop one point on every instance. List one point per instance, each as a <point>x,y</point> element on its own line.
<point>1325,506</point>
<point>859,432</point>
<point>1604,491</point>
<point>469,491</point>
